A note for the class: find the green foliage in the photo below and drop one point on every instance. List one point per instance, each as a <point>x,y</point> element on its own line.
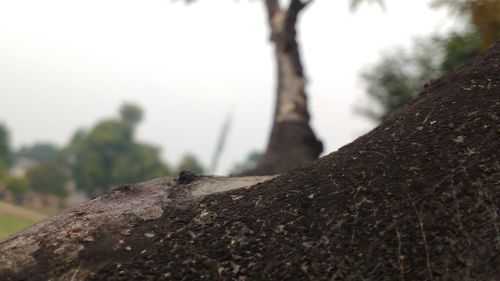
<point>190,163</point>
<point>131,114</point>
<point>3,171</point>
<point>484,15</point>
<point>250,163</point>
<point>18,186</point>
<point>397,78</point>
<point>40,152</point>
<point>5,152</point>
<point>459,48</point>
<point>401,75</point>
<point>140,163</point>
<point>108,155</point>
<point>48,178</point>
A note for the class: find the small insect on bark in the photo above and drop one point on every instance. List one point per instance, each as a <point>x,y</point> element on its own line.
<point>186,177</point>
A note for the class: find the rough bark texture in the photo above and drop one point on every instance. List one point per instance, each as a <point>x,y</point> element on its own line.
<point>417,198</point>
<point>72,245</point>
<point>292,141</point>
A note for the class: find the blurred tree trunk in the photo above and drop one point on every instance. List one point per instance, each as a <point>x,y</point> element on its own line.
<point>292,141</point>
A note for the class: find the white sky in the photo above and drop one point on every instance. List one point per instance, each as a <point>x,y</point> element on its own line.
<point>65,64</point>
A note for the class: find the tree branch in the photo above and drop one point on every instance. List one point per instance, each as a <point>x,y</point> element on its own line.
<point>272,7</point>
<point>297,5</point>
<point>293,11</point>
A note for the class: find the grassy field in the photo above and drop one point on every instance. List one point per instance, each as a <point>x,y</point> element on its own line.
<point>14,218</point>
<point>10,224</point>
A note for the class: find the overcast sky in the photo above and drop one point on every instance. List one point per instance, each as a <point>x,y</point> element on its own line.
<point>65,64</point>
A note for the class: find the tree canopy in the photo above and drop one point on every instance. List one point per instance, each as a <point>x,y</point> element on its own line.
<point>17,186</point>
<point>48,178</point>
<point>131,114</point>
<point>108,154</point>
<point>190,163</point>
<point>402,74</point>
<point>39,152</point>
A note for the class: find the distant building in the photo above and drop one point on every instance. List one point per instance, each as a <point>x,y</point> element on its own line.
<point>21,167</point>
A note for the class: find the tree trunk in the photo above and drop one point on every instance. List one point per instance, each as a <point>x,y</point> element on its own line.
<point>292,141</point>
<point>415,199</point>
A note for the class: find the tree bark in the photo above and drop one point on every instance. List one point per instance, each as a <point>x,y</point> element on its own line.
<point>292,141</point>
<point>70,246</point>
<point>415,199</point>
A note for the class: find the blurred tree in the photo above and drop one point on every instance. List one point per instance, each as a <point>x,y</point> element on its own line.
<point>108,155</point>
<point>39,152</point>
<point>76,144</point>
<point>483,14</point>
<point>5,152</point>
<point>292,141</point>
<point>131,114</point>
<point>190,163</point>
<point>458,48</point>
<point>18,187</point>
<point>48,178</point>
<point>141,162</point>
<point>248,164</point>
<point>401,75</point>
<point>397,78</point>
